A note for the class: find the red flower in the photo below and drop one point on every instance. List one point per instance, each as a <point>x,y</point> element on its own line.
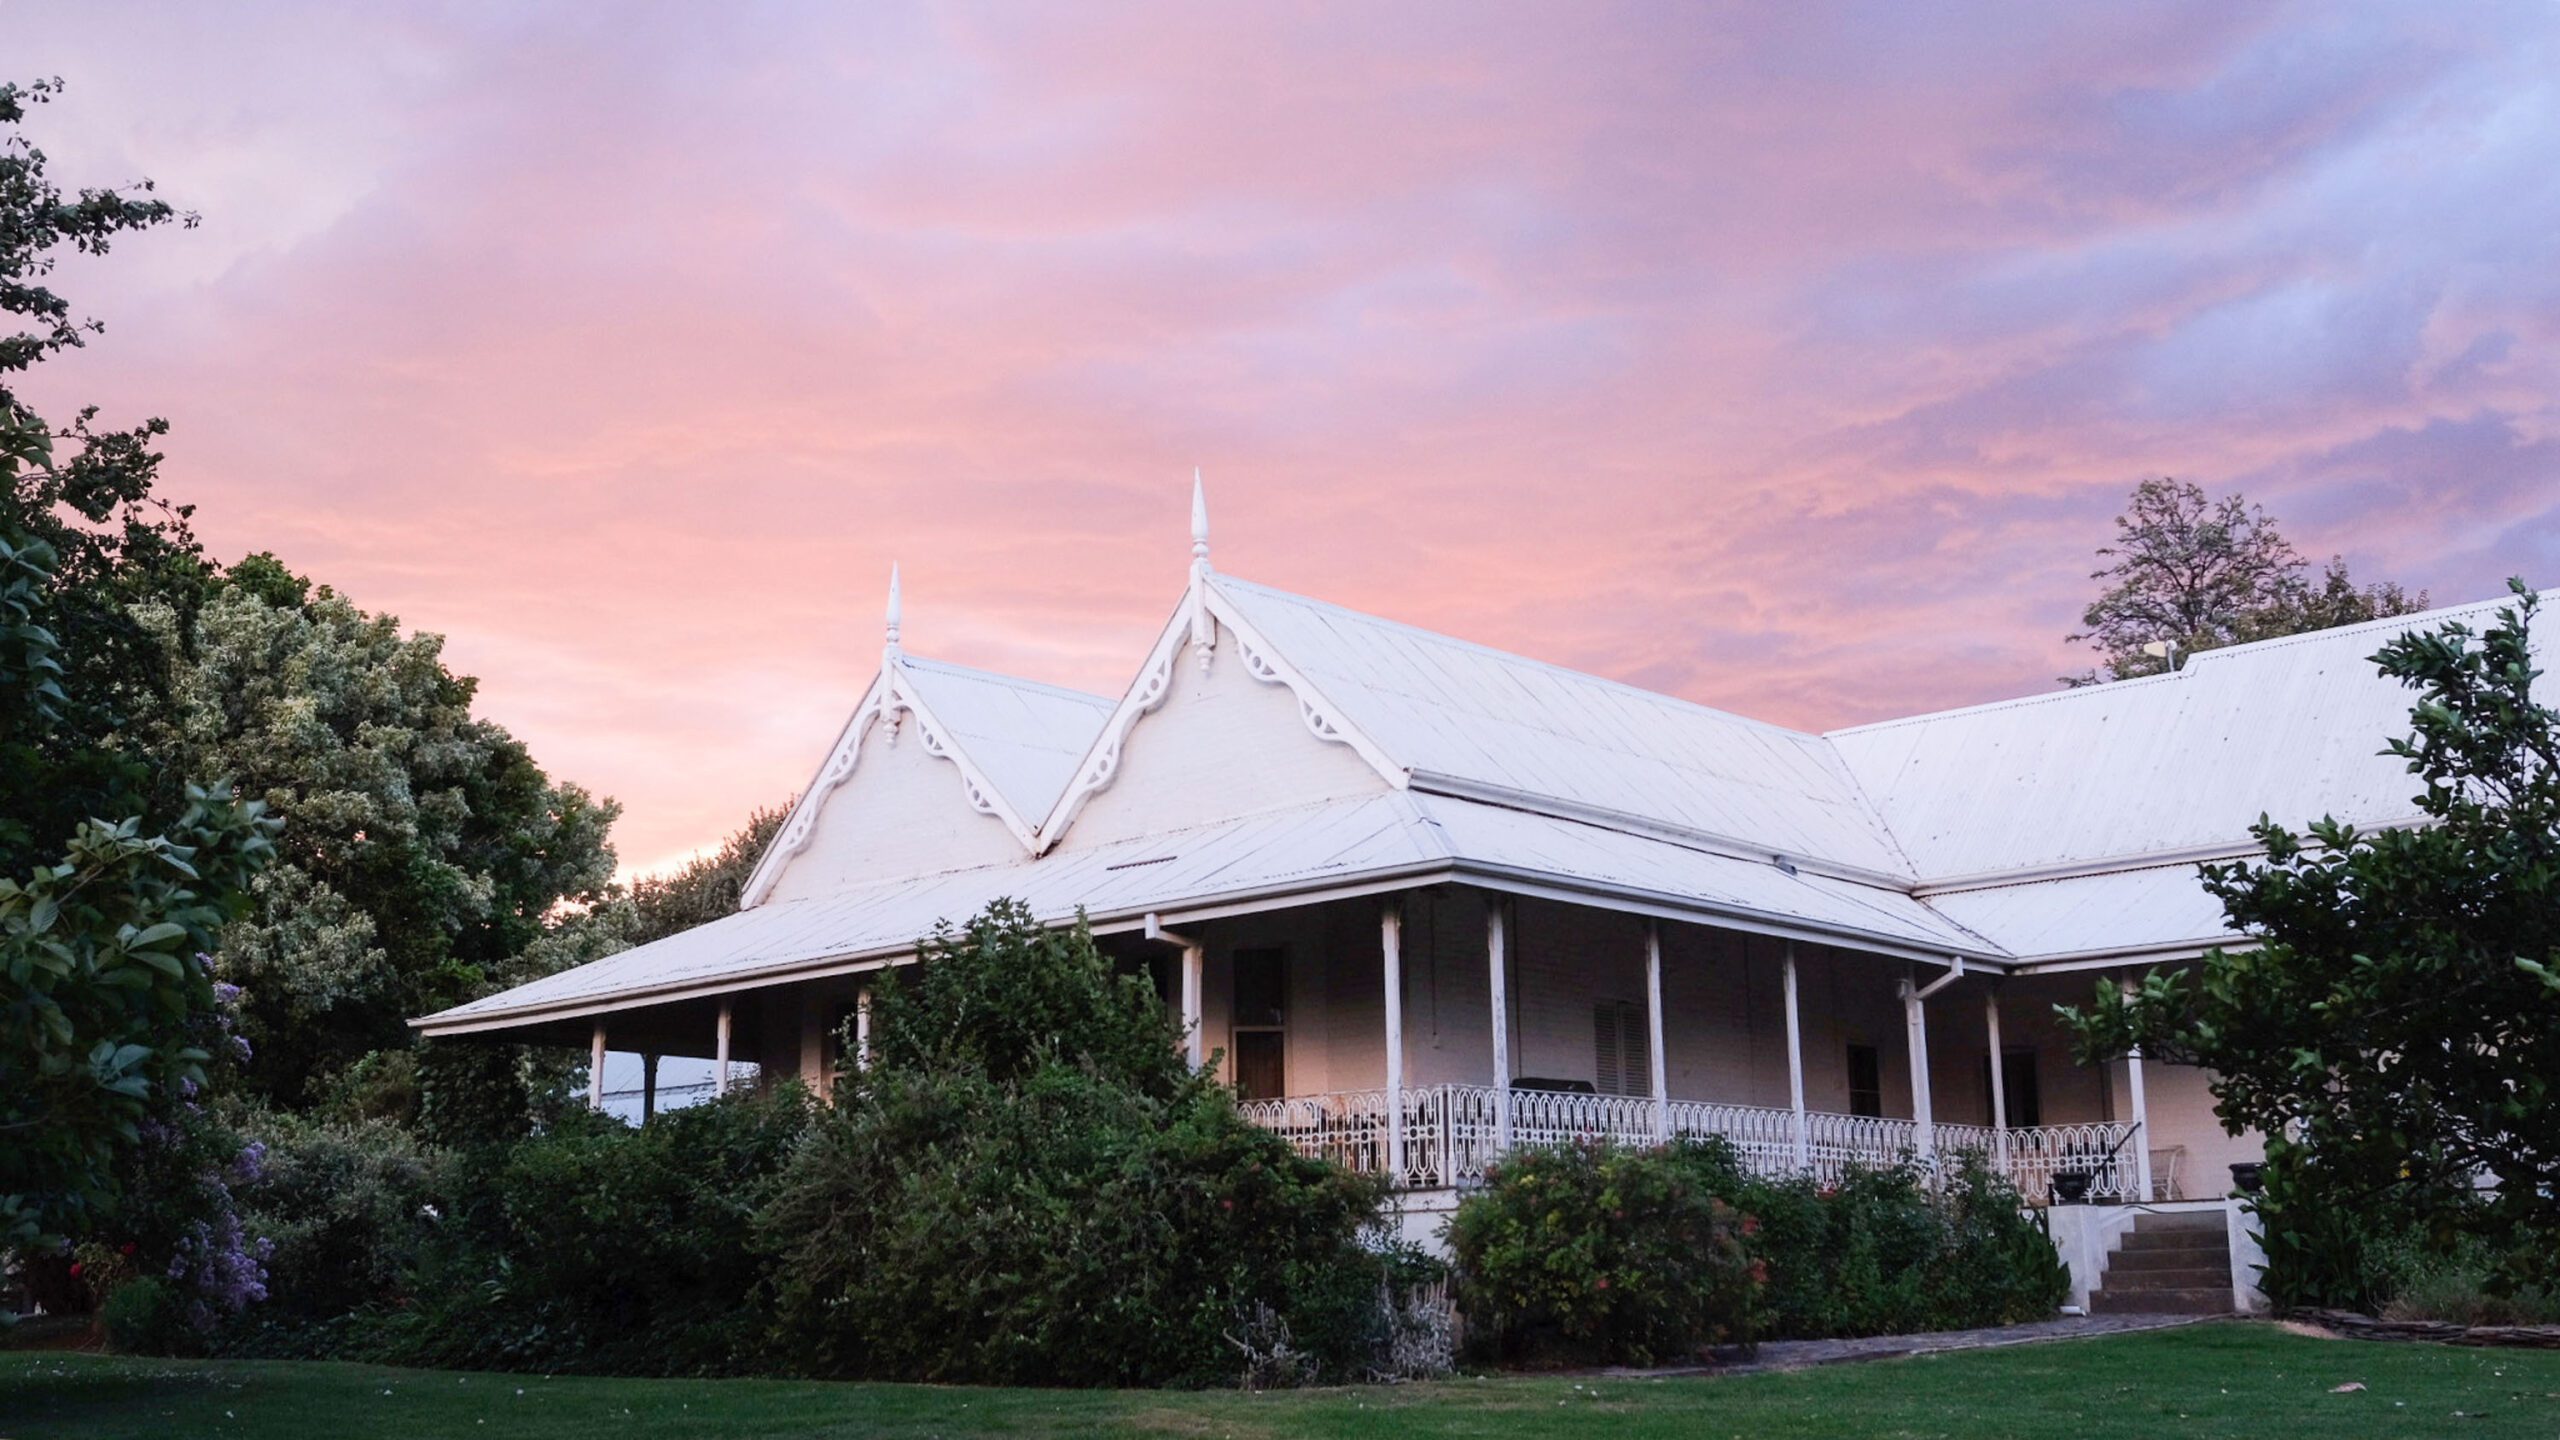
<point>1750,1224</point>
<point>75,1269</point>
<point>1600,1284</point>
<point>1759,1272</point>
<point>127,1248</point>
<point>1226,1204</point>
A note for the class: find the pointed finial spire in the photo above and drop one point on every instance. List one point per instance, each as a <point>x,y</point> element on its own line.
<point>1199,522</point>
<point>895,608</point>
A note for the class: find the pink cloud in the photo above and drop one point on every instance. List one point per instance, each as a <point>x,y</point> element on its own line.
<point>1791,362</point>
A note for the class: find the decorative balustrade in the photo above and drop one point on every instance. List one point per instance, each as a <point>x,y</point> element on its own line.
<point>1453,1133</point>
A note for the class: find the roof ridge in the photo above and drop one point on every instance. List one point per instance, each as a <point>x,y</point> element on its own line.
<point>1587,677</point>
<point>1018,682</point>
<point>2220,655</point>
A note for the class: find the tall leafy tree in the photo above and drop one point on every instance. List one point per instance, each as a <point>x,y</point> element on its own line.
<point>2190,573</point>
<point>2396,1028</point>
<point>104,922</point>
<point>427,851</point>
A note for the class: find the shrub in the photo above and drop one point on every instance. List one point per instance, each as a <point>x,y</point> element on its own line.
<point>1597,1253</point>
<point>146,1316</point>
<point>1028,1187</point>
<point>1875,1253</point>
<point>599,1248</point>
<point>347,1209</point>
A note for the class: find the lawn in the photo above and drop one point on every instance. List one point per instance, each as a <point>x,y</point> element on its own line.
<point>2240,1380</point>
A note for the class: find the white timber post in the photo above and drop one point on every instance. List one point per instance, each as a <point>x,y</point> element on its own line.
<point>1795,1063</point>
<point>1915,1024</point>
<point>1999,1081</point>
<point>720,1050</point>
<point>595,1068</point>
<point>1391,952</point>
<point>1497,946</point>
<point>1653,1029</point>
<point>2141,1111</point>
<point>1194,958</point>
<point>862,1028</point>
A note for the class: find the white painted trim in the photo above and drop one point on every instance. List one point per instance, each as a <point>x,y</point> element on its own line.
<point>1705,841</point>
<point>1194,623</point>
<point>981,792</point>
<point>1497,950</point>
<point>1101,763</point>
<point>1795,1061</point>
<point>1659,1076</point>
<point>833,771</point>
<point>1322,717</point>
<point>1391,979</point>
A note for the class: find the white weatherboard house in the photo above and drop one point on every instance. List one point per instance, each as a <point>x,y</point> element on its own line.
<point>1419,900</point>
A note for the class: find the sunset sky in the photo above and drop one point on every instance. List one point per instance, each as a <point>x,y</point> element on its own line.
<point>1791,359</point>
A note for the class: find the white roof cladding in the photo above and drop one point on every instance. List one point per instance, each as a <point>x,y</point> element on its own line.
<point>2054,829</point>
<point>1025,737</point>
<point>1465,719</point>
<point>2183,763</point>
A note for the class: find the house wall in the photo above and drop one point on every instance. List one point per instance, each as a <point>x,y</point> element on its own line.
<point>1221,745</point>
<point>1724,1016</point>
<point>901,812</point>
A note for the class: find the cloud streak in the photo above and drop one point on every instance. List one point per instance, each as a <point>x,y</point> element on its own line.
<point>1790,362</point>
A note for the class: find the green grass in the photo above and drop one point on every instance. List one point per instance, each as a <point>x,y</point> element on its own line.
<point>2239,1380</point>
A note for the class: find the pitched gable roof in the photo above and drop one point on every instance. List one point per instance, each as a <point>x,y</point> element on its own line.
<point>1011,741</point>
<point>1464,719</point>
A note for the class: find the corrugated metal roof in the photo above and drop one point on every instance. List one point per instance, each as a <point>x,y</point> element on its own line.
<point>1025,737</point>
<point>2155,908</point>
<point>1448,708</point>
<point>2104,782</point>
<point>1315,845</point>
<point>2291,728</point>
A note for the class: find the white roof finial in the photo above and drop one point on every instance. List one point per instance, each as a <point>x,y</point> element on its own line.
<point>895,608</point>
<point>1199,522</point>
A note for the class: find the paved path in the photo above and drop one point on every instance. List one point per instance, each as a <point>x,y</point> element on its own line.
<point>1798,1354</point>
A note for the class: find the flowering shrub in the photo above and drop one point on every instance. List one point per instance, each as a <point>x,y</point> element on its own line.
<point>1597,1253</point>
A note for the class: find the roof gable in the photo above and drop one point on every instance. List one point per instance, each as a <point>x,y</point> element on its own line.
<point>1008,742</point>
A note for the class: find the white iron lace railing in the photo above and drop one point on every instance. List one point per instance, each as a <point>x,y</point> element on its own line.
<point>1452,1135</point>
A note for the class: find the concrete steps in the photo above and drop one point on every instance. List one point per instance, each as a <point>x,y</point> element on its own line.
<point>2177,1263</point>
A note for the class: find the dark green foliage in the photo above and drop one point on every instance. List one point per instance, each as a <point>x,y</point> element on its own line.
<point>1006,998</point>
<point>703,890</point>
<point>1875,1254</point>
<point>1602,1254</point>
<point>345,1207</point>
<point>597,1248</point>
<point>145,1317</point>
<point>2398,1023</point>
<point>1878,1253</point>
<point>1027,1187</point>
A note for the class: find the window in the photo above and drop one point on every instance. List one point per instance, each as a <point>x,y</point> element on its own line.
<point>2018,1088</point>
<point>1866,1081</point>
<point>1260,1023</point>
<point>1619,1062</point>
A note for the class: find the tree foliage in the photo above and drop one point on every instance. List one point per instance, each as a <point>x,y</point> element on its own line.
<point>1028,1186</point>
<point>426,851</point>
<point>105,913</point>
<point>2396,1028</point>
<point>2193,573</point>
